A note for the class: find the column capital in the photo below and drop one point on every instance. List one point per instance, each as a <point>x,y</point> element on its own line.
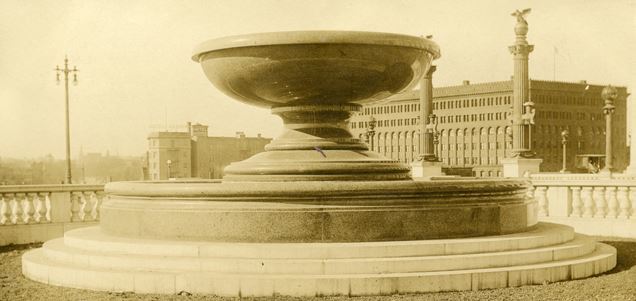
<point>521,49</point>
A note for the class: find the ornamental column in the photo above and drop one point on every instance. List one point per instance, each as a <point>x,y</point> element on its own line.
<point>520,125</point>
<point>521,163</point>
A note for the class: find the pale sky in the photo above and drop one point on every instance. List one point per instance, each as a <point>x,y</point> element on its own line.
<point>135,67</point>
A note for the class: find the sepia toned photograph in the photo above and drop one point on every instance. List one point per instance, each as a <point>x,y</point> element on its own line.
<point>317,150</point>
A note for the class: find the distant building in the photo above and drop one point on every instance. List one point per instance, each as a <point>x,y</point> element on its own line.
<point>473,124</point>
<point>195,154</point>
<point>169,155</point>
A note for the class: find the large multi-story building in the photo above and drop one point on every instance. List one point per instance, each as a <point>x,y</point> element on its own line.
<point>195,154</point>
<point>474,124</point>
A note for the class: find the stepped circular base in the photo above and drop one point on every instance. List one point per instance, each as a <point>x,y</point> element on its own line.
<point>88,258</point>
<point>320,164</point>
<point>317,211</point>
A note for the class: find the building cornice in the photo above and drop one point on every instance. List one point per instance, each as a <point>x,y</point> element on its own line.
<point>495,87</point>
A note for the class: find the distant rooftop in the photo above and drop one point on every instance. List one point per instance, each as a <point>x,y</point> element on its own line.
<point>467,88</point>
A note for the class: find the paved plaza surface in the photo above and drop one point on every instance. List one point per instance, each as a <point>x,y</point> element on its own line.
<point>618,284</point>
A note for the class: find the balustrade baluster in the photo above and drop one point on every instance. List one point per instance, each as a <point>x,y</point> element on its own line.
<point>42,208</point>
<point>530,192</point>
<point>623,200</point>
<point>612,202</point>
<point>75,206</point>
<point>37,203</point>
<point>29,208</point>
<point>99,197</point>
<point>87,206</point>
<point>576,201</point>
<point>542,201</point>
<point>5,209</point>
<point>599,201</point>
<point>47,202</point>
<point>588,201</point>
<point>18,210</point>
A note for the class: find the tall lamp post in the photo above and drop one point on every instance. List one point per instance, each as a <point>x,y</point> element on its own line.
<point>169,163</point>
<point>431,128</point>
<point>609,95</point>
<point>66,71</point>
<point>564,142</point>
<point>370,132</point>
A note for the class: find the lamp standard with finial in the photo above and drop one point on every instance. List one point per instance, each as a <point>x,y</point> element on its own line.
<point>66,71</point>
<point>427,152</point>
<point>169,163</point>
<point>564,142</point>
<point>431,128</point>
<point>609,95</point>
<point>370,132</point>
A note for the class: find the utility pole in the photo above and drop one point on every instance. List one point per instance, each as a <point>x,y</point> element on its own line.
<point>66,71</point>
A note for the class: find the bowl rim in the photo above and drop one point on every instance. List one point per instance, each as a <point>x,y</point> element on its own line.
<point>315,37</point>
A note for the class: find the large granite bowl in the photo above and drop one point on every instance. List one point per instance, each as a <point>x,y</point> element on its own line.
<point>314,67</point>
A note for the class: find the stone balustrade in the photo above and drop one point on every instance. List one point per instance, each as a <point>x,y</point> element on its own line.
<point>592,204</point>
<point>33,213</point>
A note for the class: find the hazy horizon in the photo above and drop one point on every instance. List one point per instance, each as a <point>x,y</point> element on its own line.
<point>136,74</point>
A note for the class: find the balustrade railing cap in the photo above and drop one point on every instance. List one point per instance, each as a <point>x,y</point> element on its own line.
<point>50,188</point>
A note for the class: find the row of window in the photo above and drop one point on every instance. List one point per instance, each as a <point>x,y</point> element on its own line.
<point>569,115</point>
<point>473,102</point>
<point>481,117</point>
<point>442,119</point>
<point>473,117</point>
<point>437,104</point>
<point>440,104</point>
<point>385,123</point>
<point>553,130</point>
<point>390,109</point>
<point>569,100</point>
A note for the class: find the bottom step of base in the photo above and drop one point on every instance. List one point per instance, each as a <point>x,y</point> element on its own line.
<point>36,266</point>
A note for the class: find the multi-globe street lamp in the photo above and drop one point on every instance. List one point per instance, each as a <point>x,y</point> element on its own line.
<point>564,142</point>
<point>66,71</point>
<point>169,163</point>
<point>609,95</point>
<point>370,132</point>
